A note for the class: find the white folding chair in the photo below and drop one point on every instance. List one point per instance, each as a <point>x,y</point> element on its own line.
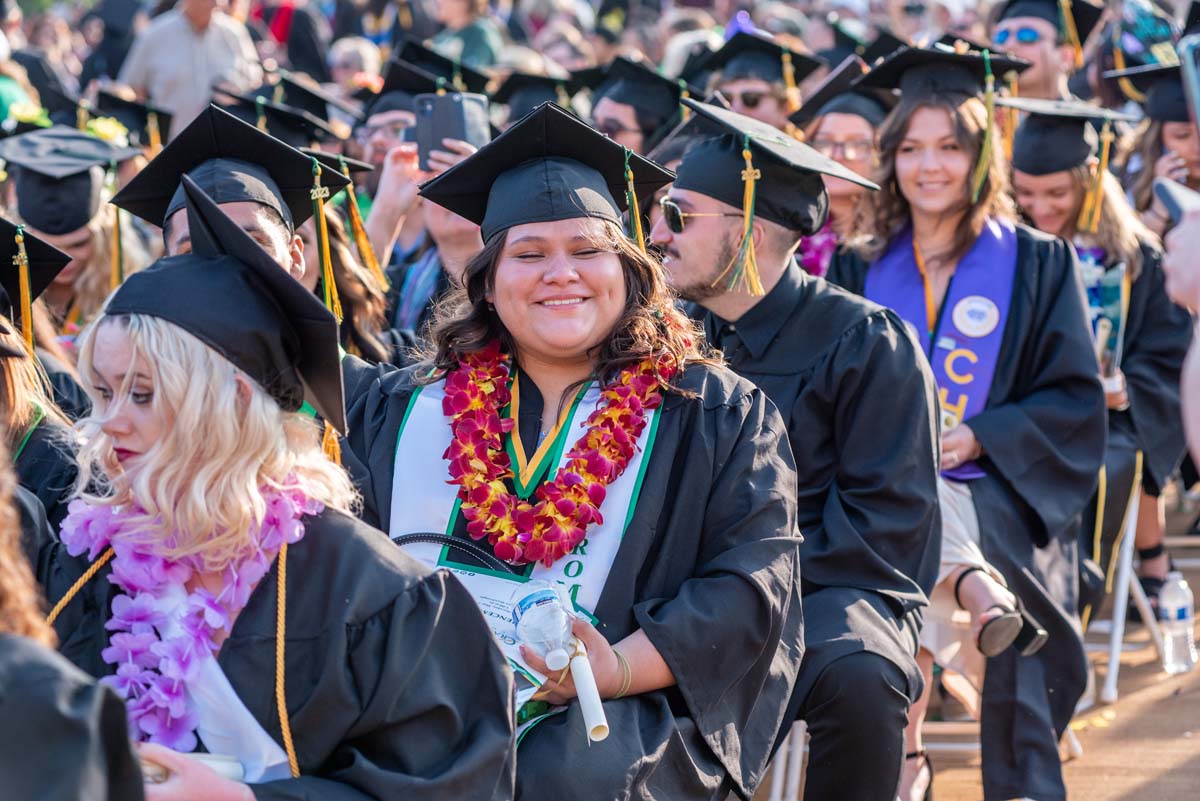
<point>787,774</point>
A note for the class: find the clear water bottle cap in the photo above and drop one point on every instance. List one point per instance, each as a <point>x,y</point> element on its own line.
<point>557,659</point>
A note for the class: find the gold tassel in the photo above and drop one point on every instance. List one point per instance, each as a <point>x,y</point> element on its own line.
<point>1130,91</point>
<point>261,122</point>
<point>560,92</point>
<point>635,212</point>
<point>329,444</point>
<point>456,76</point>
<point>985,152</point>
<point>81,116</point>
<point>278,96</point>
<point>154,134</point>
<point>743,271</point>
<point>789,80</point>
<point>1089,214</point>
<point>117,275</point>
<point>319,195</point>
<point>22,262</point>
<point>441,87</point>
<point>684,94</point>
<point>1071,33</point>
<point>361,241</point>
<point>404,14</point>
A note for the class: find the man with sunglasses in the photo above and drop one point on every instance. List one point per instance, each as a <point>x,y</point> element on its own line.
<point>759,78</point>
<point>1036,31</point>
<point>859,403</point>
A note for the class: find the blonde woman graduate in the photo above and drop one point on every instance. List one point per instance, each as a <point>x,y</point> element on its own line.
<point>217,580</point>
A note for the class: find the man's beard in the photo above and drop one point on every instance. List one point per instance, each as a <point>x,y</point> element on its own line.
<point>714,284</point>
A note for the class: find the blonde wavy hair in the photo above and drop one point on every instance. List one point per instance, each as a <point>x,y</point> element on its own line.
<point>883,214</point>
<point>1121,233</point>
<point>200,483</point>
<point>21,611</point>
<point>24,389</point>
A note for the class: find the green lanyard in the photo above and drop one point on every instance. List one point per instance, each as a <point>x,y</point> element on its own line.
<point>38,417</point>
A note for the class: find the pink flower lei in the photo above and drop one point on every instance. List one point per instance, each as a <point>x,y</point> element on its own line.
<point>152,671</point>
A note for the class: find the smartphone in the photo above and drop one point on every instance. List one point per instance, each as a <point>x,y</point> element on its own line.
<point>454,115</point>
<point>1176,198</point>
<point>1189,52</point>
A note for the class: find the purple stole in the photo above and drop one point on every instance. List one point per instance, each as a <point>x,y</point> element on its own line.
<point>965,348</point>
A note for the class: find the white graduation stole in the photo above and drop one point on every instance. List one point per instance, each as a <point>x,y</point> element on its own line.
<point>423,501</point>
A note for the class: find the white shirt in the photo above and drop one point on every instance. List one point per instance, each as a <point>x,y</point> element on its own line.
<point>177,66</point>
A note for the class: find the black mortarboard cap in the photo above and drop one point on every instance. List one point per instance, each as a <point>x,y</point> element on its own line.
<point>884,45</point>
<point>1162,86</point>
<point>845,42</point>
<point>837,95</point>
<point>137,117</point>
<point>1191,20</point>
<point>523,92</point>
<point>935,71</point>
<point>591,78</point>
<point>232,161</point>
<point>229,293</point>
<point>954,41</point>
<point>1056,135</point>
<point>333,161</point>
<point>790,190</point>
<point>461,77</point>
<point>291,126</point>
<point>1084,15</point>
<point>59,176</point>
<point>45,262</point>
<point>746,55</point>
<point>306,96</point>
<point>549,166</point>
<point>639,85</point>
<point>402,82</point>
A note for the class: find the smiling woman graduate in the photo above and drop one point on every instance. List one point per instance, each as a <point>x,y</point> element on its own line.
<point>568,429</point>
<point>997,309</point>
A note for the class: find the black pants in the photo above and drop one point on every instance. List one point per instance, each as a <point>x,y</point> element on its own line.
<point>856,713</point>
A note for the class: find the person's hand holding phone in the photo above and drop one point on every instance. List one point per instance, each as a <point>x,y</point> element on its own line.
<point>456,150</point>
<point>399,181</point>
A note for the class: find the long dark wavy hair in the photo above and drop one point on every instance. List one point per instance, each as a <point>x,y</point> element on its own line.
<point>650,325</point>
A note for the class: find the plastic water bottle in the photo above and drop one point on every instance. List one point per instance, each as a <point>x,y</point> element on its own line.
<point>1176,612</point>
<point>544,624</point>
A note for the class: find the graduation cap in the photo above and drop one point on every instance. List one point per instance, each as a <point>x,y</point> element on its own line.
<point>462,78</point>
<point>59,175</point>
<point>1059,135</point>
<point>838,95</point>
<point>1191,20</point>
<point>591,78</point>
<point>402,82</point>
<point>291,126</point>
<point>937,70</point>
<point>764,172</point>
<point>962,44</point>
<point>145,123</point>
<point>1161,89</point>
<point>231,295</point>
<point>638,85</point>
<point>232,162</point>
<point>884,45</point>
<point>28,265</point>
<point>549,166</point>
<point>1073,19</point>
<point>523,92</point>
<point>747,55</point>
<point>307,96</point>
<point>348,168</point>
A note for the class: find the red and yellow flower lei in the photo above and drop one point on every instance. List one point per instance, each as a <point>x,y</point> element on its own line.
<point>544,531</point>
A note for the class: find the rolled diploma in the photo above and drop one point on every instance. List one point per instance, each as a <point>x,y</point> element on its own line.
<point>589,696</point>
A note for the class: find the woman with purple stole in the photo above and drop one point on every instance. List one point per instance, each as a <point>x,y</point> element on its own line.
<point>996,308</point>
<point>1061,183</point>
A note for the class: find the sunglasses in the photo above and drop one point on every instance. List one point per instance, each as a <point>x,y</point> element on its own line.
<point>1022,35</point>
<point>675,217</point>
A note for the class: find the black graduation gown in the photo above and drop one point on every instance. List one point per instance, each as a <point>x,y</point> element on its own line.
<point>64,736</point>
<point>36,535</point>
<point>859,404</point>
<point>68,394</point>
<point>1156,338</point>
<point>712,540</point>
<point>46,467</point>
<point>1043,436</point>
<point>395,686</point>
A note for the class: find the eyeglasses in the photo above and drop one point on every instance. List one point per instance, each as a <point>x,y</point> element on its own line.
<point>395,130</point>
<point>851,151</point>
<point>675,217</point>
<point>1024,35</point>
<point>915,9</point>
<point>749,100</point>
<point>613,128</point>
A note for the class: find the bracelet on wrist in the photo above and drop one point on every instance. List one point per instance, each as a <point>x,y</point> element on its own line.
<point>626,674</point>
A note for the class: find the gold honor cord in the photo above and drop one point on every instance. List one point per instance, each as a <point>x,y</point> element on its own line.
<point>631,200</point>
<point>1093,201</point>
<point>985,152</point>
<point>789,82</point>
<point>285,725</point>
<point>361,241</point>
<point>1070,32</point>
<point>743,270</point>
<point>21,261</point>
